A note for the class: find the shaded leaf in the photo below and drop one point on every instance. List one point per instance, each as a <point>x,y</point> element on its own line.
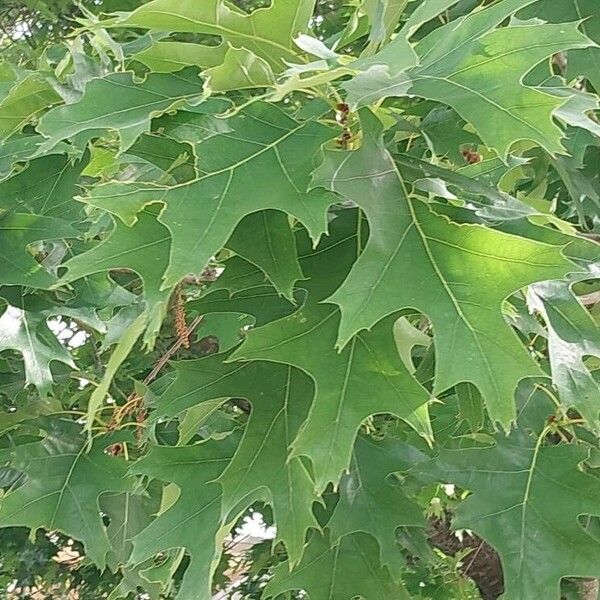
<point>46,187</point>
<point>168,57</point>
<point>366,378</point>
<point>194,520</point>
<point>19,231</point>
<point>339,571</point>
<point>509,507</point>
<point>64,480</point>
<point>585,61</point>
<point>27,333</point>
<point>371,502</point>
<point>280,398</point>
<point>266,240</point>
<point>144,249</point>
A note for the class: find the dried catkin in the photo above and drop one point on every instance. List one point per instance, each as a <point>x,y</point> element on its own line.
<point>180,324</point>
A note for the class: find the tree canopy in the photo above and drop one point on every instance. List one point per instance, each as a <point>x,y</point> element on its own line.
<point>330,267</point>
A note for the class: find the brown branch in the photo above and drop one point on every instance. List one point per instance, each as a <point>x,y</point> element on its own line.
<point>483,565</point>
<point>134,400</point>
<point>164,359</point>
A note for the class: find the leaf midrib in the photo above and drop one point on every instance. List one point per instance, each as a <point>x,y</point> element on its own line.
<point>226,32</point>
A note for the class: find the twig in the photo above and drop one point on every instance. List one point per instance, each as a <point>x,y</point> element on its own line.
<point>134,399</point>
<point>171,351</point>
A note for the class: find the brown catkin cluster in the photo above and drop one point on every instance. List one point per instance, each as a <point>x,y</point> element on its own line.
<point>179,316</point>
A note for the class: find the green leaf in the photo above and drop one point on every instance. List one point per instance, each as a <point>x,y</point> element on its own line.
<point>264,163</point>
<point>18,147</point>
<point>511,484</point>
<point>387,72</point>
<point>262,302</point>
<point>585,61</point>
<point>227,328</point>
<point>195,417</point>
<point>470,405</point>
<point>168,57</point>
<point>463,275</point>
<point>240,69</point>
<point>144,249</point>
<point>64,480</point>
<point>118,103</point>
<point>242,288</point>
<point>46,187</point>
<point>262,461</point>
<point>27,332</point>
<point>194,521</point>
<point>489,203</point>
<point>30,95</point>
<point>577,108</point>
<point>20,231</point>
<point>492,167</point>
<point>383,16</point>
<point>344,381</point>
<point>161,158</point>
<point>239,275</point>
<point>372,502</point>
<point>265,239</point>
<point>339,571</point>
<point>572,335</point>
<point>197,123</point>
<point>268,33</point>
<point>369,289</point>
<point>366,378</point>
<point>407,337</point>
<point>280,398</point>
<point>457,63</point>
<point>119,354</point>
<point>424,12</point>
<point>129,513</point>
<point>445,131</point>
<point>33,409</point>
